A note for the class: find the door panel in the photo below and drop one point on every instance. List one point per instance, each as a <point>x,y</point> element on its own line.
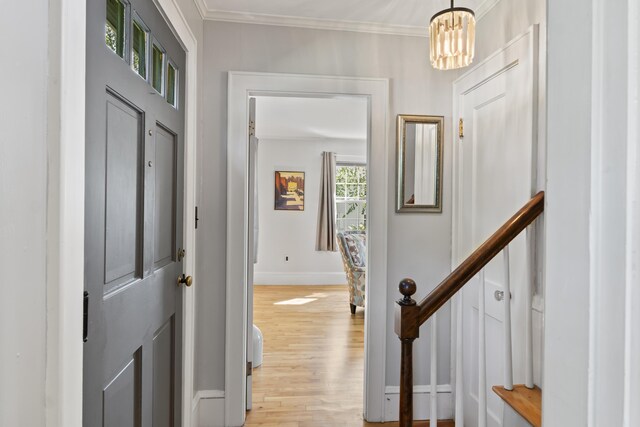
<point>165,196</point>
<point>133,230</point>
<point>163,375</point>
<point>122,396</point>
<point>122,215</point>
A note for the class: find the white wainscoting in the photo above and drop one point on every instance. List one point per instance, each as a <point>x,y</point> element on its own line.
<point>512,419</point>
<point>421,402</point>
<point>208,409</point>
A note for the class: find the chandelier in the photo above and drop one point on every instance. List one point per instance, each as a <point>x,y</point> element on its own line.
<point>452,35</point>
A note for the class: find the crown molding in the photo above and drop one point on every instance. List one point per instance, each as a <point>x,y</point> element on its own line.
<point>313,23</point>
<point>324,24</point>
<point>202,8</point>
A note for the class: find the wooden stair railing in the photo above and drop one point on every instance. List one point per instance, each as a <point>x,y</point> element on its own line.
<point>410,315</point>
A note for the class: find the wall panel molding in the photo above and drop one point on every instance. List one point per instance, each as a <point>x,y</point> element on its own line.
<point>421,402</point>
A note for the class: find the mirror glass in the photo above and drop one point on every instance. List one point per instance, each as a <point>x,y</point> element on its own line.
<point>419,163</point>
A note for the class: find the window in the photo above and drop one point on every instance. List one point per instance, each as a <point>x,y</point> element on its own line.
<point>157,76</point>
<point>351,197</point>
<point>128,37</point>
<point>115,26</point>
<point>139,48</point>
<point>172,78</point>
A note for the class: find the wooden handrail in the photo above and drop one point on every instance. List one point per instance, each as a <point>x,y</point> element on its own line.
<point>481,257</point>
<point>409,315</point>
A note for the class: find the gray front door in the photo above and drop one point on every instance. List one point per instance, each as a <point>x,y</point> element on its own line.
<point>133,216</point>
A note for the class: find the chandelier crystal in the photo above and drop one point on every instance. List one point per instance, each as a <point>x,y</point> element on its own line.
<point>452,34</point>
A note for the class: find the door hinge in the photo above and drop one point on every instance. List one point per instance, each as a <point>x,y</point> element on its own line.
<point>461,128</point>
<point>249,368</point>
<point>85,317</point>
<point>252,128</point>
<point>197,219</point>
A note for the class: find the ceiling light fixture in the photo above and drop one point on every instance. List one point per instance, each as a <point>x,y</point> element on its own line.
<point>452,34</point>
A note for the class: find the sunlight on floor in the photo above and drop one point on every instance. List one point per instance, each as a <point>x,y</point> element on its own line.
<point>317,295</point>
<point>296,301</point>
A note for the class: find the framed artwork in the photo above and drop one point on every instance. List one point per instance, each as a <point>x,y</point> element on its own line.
<point>289,191</point>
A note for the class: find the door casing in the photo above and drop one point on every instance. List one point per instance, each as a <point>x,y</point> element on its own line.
<point>241,86</point>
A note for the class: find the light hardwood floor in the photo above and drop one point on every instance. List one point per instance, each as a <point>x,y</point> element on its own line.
<point>312,373</point>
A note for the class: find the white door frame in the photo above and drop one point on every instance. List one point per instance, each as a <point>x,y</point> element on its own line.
<point>240,86</point>
<point>65,233</point>
<point>65,215</point>
<point>613,229</point>
<point>632,338</point>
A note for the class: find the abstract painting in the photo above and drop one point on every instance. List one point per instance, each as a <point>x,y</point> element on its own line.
<point>289,191</point>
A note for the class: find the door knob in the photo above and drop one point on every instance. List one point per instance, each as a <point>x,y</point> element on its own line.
<point>187,280</point>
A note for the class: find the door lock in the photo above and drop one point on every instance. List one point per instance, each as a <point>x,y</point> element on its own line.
<point>181,254</point>
<point>187,280</point>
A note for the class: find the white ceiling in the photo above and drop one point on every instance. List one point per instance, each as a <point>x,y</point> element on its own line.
<point>405,17</point>
<point>311,118</point>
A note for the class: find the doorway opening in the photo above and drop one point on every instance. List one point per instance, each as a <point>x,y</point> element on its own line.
<point>306,329</point>
<point>242,86</point>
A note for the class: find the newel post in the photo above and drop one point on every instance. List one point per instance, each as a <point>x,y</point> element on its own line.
<point>407,329</point>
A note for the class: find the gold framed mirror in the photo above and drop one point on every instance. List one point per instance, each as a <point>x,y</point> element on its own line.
<point>419,163</point>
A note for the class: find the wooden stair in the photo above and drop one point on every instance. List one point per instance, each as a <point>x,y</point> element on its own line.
<point>526,402</point>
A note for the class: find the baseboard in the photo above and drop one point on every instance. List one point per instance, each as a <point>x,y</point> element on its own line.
<point>421,402</point>
<point>208,409</point>
<point>334,278</point>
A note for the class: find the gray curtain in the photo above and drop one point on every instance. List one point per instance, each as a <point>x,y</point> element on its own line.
<point>326,238</point>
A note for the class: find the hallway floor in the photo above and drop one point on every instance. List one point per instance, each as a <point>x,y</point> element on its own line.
<point>312,372</point>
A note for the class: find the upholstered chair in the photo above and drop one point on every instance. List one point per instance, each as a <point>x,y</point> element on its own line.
<point>353,247</point>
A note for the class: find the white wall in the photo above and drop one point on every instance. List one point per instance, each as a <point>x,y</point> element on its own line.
<point>23,213</point>
<point>293,233</point>
<point>567,215</point>
<point>41,215</point>
<point>591,280</point>
<point>504,21</point>
<point>419,244</point>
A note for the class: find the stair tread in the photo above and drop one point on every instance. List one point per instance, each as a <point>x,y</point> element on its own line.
<point>526,402</point>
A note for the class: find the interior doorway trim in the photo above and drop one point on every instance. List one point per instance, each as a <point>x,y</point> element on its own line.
<point>65,214</point>
<point>241,85</point>
<point>65,233</point>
